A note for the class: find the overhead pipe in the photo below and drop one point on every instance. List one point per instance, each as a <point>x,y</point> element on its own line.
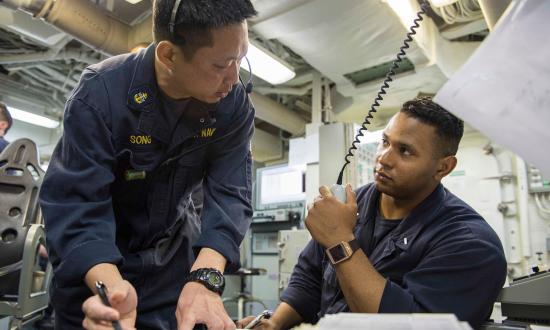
<point>45,81</point>
<point>86,22</point>
<point>299,91</point>
<point>65,79</point>
<point>278,115</point>
<point>47,56</point>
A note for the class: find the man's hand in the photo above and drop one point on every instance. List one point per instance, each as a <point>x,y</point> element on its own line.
<point>264,324</point>
<point>198,305</point>
<point>330,221</point>
<point>123,299</point>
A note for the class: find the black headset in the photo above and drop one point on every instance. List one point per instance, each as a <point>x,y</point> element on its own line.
<point>172,28</point>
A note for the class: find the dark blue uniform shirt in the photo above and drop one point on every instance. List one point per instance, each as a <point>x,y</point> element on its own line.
<point>3,143</point>
<point>451,262</point>
<point>118,185</point>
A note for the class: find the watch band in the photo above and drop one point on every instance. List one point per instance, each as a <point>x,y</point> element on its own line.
<point>342,251</point>
<point>211,278</point>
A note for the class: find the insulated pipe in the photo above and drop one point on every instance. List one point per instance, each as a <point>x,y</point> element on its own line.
<point>87,23</point>
<point>276,114</point>
<point>285,90</point>
<point>141,33</point>
<point>492,10</point>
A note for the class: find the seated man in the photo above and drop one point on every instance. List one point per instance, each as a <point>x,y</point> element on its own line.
<point>414,247</point>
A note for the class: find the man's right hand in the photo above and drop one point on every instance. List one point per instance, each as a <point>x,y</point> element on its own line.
<point>123,299</point>
<point>264,324</point>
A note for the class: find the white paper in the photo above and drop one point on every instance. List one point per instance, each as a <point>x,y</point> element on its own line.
<point>503,90</point>
<point>353,321</point>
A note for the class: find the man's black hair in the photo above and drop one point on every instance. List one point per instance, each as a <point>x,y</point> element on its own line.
<point>5,116</point>
<point>448,127</point>
<point>195,19</point>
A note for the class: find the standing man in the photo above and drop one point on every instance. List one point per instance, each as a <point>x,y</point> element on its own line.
<point>5,124</point>
<point>141,132</point>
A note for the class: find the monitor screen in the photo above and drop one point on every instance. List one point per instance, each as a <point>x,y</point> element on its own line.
<point>280,184</point>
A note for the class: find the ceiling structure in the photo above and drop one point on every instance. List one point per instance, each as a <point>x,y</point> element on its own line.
<point>347,42</point>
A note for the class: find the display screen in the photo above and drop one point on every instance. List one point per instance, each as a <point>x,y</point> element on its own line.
<point>337,252</point>
<point>281,184</point>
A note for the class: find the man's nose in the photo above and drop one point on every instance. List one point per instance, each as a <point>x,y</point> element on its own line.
<point>233,74</point>
<point>384,157</point>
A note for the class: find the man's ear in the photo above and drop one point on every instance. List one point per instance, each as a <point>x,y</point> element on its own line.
<point>446,165</point>
<point>3,125</point>
<point>165,54</point>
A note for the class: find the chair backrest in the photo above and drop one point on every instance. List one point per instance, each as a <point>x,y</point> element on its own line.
<point>20,180</point>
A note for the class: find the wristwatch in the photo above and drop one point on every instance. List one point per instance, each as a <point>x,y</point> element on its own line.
<point>211,278</point>
<point>342,251</point>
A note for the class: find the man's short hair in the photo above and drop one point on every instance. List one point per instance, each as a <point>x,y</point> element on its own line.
<point>5,116</point>
<point>195,19</point>
<point>448,127</point>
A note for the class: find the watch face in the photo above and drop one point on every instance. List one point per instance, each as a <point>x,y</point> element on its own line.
<point>337,252</point>
<point>215,279</point>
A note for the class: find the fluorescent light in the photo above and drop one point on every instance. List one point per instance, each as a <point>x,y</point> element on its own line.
<point>133,2</point>
<point>32,118</point>
<point>267,66</point>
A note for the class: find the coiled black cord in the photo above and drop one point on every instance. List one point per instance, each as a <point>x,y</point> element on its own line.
<point>423,7</point>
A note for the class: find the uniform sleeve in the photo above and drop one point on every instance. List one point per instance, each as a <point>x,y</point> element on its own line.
<point>75,196</point>
<point>305,286</point>
<point>462,274</point>
<point>227,189</point>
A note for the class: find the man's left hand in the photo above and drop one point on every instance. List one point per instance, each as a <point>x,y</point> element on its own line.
<point>330,221</point>
<point>198,305</point>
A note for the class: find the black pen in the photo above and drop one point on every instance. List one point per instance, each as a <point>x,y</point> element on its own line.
<point>103,295</point>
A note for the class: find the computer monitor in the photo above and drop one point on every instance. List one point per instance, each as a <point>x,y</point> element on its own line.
<point>279,186</point>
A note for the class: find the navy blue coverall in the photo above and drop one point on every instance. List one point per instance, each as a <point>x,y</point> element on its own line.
<point>442,258</point>
<point>3,143</point>
<point>118,187</point>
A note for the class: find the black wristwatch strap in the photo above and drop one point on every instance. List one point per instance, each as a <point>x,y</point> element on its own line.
<point>211,278</point>
<point>354,245</point>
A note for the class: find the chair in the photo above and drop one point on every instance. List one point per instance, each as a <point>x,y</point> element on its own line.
<point>24,274</point>
<point>242,297</point>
